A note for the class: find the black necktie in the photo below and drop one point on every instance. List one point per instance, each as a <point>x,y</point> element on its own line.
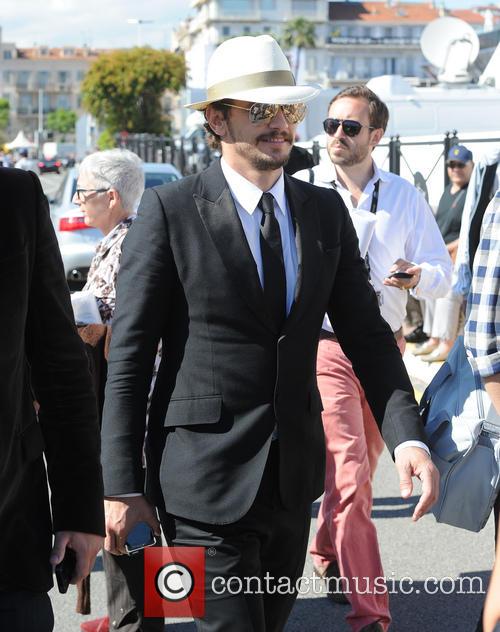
<point>272,261</point>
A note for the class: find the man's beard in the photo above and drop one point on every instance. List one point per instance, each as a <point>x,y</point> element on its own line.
<point>258,159</point>
<point>355,155</point>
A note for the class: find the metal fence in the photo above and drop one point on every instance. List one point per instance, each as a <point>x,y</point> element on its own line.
<point>194,155</point>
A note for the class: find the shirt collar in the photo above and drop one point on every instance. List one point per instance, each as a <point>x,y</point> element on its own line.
<point>108,240</point>
<point>328,173</point>
<point>247,194</point>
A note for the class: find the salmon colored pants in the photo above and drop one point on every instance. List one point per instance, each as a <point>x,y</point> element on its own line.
<point>345,531</point>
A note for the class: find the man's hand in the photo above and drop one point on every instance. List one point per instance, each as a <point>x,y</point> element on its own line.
<point>404,266</point>
<point>122,514</point>
<point>85,545</point>
<point>411,462</point>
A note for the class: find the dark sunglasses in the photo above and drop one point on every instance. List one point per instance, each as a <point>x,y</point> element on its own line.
<point>264,112</point>
<point>456,165</point>
<point>350,128</point>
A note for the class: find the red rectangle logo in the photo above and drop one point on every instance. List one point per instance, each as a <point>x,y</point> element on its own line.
<point>174,581</point>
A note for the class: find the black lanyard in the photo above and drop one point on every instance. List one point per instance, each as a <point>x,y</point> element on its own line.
<point>373,209</point>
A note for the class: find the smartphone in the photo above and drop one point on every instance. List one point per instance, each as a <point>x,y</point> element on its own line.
<point>400,274</point>
<point>65,570</point>
<point>139,538</point>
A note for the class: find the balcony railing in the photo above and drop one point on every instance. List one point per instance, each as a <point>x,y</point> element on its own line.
<point>374,41</point>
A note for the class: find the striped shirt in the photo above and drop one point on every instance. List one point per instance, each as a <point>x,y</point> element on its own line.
<point>482,329</point>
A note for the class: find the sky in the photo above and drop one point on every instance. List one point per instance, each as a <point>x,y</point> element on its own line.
<point>102,23</point>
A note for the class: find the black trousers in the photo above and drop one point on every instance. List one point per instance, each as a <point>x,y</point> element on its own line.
<point>268,539</point>
<point>24,611</point>
<point>125,591</point>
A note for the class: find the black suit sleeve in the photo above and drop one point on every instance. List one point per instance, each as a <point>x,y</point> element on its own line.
<point>62,386</point>
<point>368,342</point>
<point>143,291</point>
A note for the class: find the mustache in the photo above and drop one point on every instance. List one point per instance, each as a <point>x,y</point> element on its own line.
<point>276,135</point>
<point>339,141</point>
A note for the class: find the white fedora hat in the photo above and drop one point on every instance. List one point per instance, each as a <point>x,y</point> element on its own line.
<point>252,69</point>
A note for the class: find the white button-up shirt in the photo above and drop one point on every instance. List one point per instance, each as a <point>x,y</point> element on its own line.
<point>405,228</point>
<point>246,197</point>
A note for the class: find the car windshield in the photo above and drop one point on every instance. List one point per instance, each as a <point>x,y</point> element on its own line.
<point>156,179</point>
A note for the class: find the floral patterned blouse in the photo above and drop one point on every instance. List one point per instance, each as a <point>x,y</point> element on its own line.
<point>101,279</point>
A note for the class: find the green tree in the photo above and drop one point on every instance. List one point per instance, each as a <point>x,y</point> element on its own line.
<point>299,33</point>
<point>106,140</point>
<point>62,121</point>
<point>4,113</point>
<point>123,89</point>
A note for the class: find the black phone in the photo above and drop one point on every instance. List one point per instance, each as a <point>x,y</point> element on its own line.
<point>139,538</point>
<point>400,274</point>
<point>65,570</point>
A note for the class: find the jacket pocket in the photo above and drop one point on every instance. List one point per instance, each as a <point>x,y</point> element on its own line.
<point>32,444</point>
<point>190,412</point>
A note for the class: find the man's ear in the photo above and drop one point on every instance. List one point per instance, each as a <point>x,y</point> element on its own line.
<point>215,118</point>
<point>114,198</point>
<point>377,135</point>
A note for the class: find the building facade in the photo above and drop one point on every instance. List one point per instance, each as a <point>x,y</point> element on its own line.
<point>354,40</point>
<point>40,80</point>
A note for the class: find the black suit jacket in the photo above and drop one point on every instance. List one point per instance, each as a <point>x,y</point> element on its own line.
<point>188,276</point>
<point>42,358</point>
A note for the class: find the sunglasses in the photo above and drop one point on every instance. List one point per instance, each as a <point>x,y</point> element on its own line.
<point>456,165</point>
<point>350,128</point>
<point>264,112</point>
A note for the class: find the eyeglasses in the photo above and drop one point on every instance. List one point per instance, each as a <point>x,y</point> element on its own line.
<point>456,165</point>
<point>264,112</point>
<point>350,128</point>
<point>81,198</point>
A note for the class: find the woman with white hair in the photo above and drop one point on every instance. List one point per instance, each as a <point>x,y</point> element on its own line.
<point>110,185</point>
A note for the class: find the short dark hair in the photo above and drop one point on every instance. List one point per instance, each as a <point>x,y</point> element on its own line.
<point>378,112</point>
<point>213,139</point>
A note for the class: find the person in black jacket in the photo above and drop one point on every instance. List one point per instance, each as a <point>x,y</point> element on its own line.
<point>234,270</point>
<point>42,360</point>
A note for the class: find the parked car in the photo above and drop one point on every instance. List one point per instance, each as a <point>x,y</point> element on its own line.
<point>77,241</point>
<point>47,165</point>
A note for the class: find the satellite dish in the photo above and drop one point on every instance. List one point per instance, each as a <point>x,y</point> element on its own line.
<point>452,46</point>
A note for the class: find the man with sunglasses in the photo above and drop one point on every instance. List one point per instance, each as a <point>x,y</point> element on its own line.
<point>405,252</point>
<point>241,263</point>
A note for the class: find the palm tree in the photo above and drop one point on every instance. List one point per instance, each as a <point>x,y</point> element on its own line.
<point>299,33</point>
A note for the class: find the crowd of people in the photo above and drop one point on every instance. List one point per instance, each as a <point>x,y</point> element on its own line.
<point>279,304</point>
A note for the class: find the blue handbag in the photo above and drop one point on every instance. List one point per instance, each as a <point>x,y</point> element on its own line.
<point>463,433</point>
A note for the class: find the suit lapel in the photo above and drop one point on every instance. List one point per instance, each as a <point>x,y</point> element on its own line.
<point>219,215</point>
<point>307,241</point>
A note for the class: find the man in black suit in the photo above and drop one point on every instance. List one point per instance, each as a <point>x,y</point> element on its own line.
<point>234,270</point>
<point>42,363</point>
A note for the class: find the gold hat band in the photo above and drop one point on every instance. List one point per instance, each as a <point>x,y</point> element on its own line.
<point>268,79</point>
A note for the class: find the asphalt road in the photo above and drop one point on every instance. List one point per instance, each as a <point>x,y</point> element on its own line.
<point>415,552</point>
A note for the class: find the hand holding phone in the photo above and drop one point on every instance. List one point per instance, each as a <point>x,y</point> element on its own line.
<point>65,570</point>
<point>400,274</point>
<point>139,538</point>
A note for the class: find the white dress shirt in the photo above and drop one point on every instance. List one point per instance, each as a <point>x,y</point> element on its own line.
<point>246,197</point>
<point>405,228</point>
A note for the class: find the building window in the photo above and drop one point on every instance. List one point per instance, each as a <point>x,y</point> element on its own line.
<point>80,74</point>
<point>68,52</point>
<point>63,102</point>
<point>25,104</point>
<point>388,31</point>
<point>7,54</point>
<point>247,30</point>
<point>42,78</point>
<point>367,32</point>
<point>7,76</point>
<point>236,6</point>
<point>62,76</point>
<point>304,7</point>
<point>410,66</point>
<point>23,76</point>
<point>268,5</point>
<point>226,31</point>
<point>267,29</point>
<point>367,68</point>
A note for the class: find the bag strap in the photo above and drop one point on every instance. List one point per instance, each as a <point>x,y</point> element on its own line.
<point>311,175</point>
<point>485,196</point>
